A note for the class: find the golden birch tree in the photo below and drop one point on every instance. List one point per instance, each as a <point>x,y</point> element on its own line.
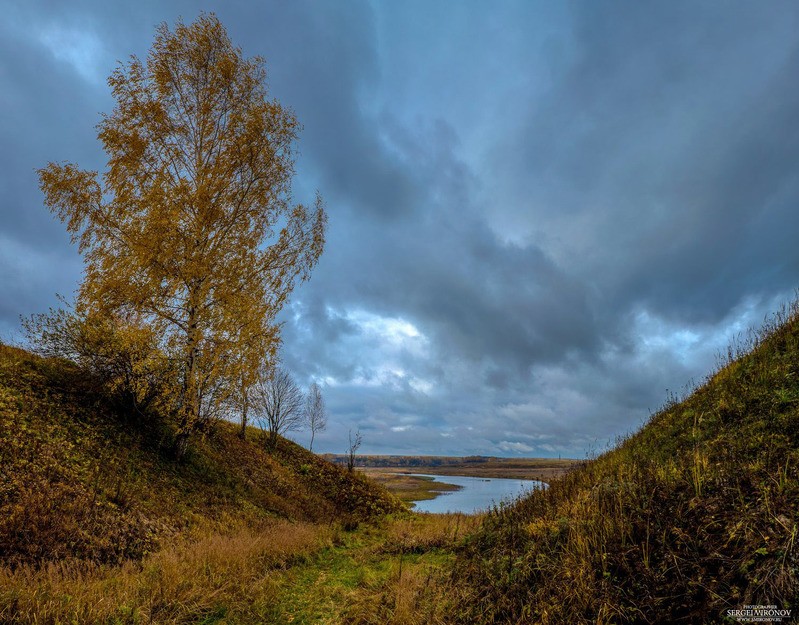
<point>192,227</point>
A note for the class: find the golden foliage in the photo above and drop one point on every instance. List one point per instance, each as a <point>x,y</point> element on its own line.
<point>191,230</point>
<point>123,355</point>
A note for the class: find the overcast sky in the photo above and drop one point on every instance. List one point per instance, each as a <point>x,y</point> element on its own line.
<point>543,215</point>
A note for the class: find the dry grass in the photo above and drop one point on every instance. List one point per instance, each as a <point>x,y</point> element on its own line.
<point>418,589</point>
<point>412,594</point>
<point>226,574</point>
<point>421,533</point>
<point>392,573</point>
<point>691,516</point>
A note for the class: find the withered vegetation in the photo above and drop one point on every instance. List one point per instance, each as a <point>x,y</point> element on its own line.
<point>693,515</point>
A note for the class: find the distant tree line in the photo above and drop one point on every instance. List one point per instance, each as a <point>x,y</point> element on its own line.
<point>407,461</point>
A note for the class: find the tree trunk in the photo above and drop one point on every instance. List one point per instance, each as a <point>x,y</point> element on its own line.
<point>243,430</point>
<point>190,408</point>
<point>181,445</point>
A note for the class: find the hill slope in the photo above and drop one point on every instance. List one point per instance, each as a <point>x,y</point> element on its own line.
<point>694,515</point>
<point>81,477</point>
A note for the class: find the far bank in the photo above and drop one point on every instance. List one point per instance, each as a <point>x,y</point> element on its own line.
<point>541,469</point>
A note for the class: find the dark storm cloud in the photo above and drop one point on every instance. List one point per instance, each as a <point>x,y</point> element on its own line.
<point>670,138</point>
<point>323,62</point>
<point>654,174</point>
<point>541,216</point>
<point>46,105</point>
<point>477,297</point>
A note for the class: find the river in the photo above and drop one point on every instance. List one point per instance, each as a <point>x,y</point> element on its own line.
<point>476,493</point>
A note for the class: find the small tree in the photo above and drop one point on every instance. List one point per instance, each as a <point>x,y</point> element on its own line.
<point>315,413</point>
<point>122,355</point>
<point>279,403</point>
<point>355,443</point>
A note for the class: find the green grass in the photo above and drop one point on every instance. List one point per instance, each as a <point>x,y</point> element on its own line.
<point>392,572</point>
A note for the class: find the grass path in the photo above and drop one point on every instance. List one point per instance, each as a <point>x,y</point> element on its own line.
<point>324,587</point>
<point>392,573</point>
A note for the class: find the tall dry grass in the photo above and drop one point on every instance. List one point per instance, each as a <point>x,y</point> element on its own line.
<point>691,516</point>
<point>222,573</point>
<point>420,533</point>
<point>413,594</point>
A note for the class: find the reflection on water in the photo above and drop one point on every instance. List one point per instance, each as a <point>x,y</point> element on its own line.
<point>476,493</point>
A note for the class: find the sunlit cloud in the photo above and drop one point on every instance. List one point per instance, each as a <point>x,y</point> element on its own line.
<point>515,447</point>
<point>82,50</point>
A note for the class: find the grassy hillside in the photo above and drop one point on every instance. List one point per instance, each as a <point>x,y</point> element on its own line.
<point>81,477</point>
<point>696,514</point>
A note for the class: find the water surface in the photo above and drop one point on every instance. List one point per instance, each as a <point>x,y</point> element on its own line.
<point>476,493</point>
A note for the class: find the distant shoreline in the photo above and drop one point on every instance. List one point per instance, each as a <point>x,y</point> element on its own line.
<point>541,469</point>
<point>408,488</point>
<point>400,480</point>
